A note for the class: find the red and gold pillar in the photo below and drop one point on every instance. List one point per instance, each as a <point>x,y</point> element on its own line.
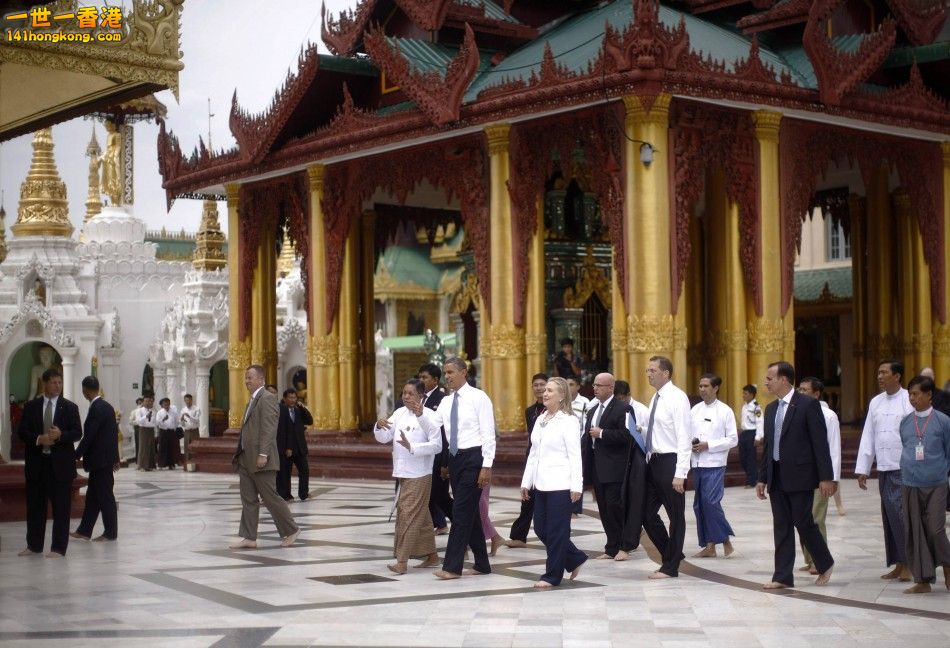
<point>239,348</point>
<point>941,327</point>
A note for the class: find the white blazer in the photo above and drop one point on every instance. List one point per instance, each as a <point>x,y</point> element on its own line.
<point>554,463</point>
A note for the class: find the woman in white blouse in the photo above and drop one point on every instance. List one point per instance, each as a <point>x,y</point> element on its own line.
<point>413,449</point>
<point>554,472</point>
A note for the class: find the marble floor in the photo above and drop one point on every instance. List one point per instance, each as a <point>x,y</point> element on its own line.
<point>170,581</point>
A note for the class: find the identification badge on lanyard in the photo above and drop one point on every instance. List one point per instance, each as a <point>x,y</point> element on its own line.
<point>919,454</point>
<point>919,451</point>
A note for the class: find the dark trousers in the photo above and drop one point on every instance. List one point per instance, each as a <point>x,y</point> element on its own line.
<point>303,476</point>
<point>791,511</point>
<point>440,501</point>
<point>659,492</point>
<point>747,456</point>
<point>46,488</point>
<point>135,439</point>
<point>521,526</point>
<point>168,449</point>
<point>635,501</point>
<point>610,506</point>
<point>466,522</point>
<point>552,523</point>
<point>100,499</point>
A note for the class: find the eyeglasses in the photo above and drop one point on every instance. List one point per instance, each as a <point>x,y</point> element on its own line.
<point>599,385</point>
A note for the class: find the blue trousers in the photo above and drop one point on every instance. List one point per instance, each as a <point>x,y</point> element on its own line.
<point>552,524</point>
<point>711,524</point>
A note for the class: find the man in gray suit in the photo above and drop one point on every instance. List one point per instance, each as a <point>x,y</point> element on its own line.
<point>256,462</point>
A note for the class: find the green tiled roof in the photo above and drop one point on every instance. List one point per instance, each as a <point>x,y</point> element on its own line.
<point>414,342</point>
<point>577,42</point>
<point>797,60</point>
<point>491,9</point>
<point>350,65</point>
<point>810,284</point>
<point>407,265</point>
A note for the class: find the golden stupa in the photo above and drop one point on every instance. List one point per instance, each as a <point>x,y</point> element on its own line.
<point>209,241</point>
<point>43,208</point>
<point>287,260</point>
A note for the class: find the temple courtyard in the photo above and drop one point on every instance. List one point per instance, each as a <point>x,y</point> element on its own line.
<point>170,580</point>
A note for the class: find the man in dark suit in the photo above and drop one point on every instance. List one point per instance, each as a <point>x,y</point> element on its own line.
<point>610,448</point>
<point>521,526</point>
<point>256,462</point>
<point>49,428</point>
<point>796,461</point>
<point>292,446</point>
<point>440,501</point>
<point>99,451</point>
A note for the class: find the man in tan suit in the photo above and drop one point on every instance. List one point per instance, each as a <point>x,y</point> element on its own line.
<point>256,462</point>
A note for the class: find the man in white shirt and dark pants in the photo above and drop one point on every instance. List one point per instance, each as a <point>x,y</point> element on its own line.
<point>189,418</point>
<point>813,387</point>
<point>669,445</point>
<point>469,420</point>
<point>881,441</point>
<point>714,434</point>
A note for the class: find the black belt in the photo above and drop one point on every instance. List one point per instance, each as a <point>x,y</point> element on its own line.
<point>752,430</point>
<point>462,451</point>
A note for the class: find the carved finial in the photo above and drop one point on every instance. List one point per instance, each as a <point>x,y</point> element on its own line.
<point>209,241</point>
<point>43,209</point>
<point>93,199</point>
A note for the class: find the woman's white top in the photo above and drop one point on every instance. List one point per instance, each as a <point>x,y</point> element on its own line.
<point>417,462</point>
<point>554,463</point>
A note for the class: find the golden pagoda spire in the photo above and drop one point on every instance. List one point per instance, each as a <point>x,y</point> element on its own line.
<point>287,260</point>
<point>209,240</point>
<point>93,200</point>
<point>43,208</point>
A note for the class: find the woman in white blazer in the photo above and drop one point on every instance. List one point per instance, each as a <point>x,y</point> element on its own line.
<point>554,472</point>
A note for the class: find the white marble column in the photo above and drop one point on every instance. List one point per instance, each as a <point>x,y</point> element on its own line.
<point>173,386</point>
<point>160,382</point>
<point>70,390</point>
<point>202,386</point>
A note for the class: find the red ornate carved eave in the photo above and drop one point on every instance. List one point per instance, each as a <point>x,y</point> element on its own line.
<point>913,98</point>
<point>840,73</point>
<point>439,98</point>
<point>807,148</point>
<point>482,23</point>
<point>705,136</point>
<point>427,14</point>
<point>646,43</point>
<point>342,34</point>
<point>779,15</point>
<point>256,133</point>
<point>921,21</point>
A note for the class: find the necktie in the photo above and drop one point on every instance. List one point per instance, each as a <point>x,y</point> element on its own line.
<point>635,433</point>
<point>649,450</point>
<point>47,422</point>
<point>454,424</point>
<point>293,419</point>
<point>779,420</point>
<point>594,420</point>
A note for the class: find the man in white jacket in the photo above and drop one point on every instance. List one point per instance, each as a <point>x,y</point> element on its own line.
<point>714,434</point>
<point>816,389</point>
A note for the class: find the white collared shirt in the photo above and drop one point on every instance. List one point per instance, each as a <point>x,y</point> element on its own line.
<point>581,406</point>
<point>752,418</point>
<point>554,463</point>
<point>834,438</point>
<point>166,419</point>
<point>881,438</point>
<point>597,409</point>
<point>142,419</point>
<point>424,442</point>
<point>672,426</point>
<point>476,421</point>
<point>189,417</point>
<point>716,425</point>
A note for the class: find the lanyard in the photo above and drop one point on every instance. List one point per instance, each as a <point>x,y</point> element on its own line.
<point>921,433</point>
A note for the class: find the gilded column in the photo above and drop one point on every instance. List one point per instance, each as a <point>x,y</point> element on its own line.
<point>906,233</point>
<point>767,332</point>
<point>323,350</point>
<point>881,262</point>
<point>264,307</point>
<point>349,331</point>
<point>535,335</point>
<point>618,333</point>
<point>650,327</point>
<point>941,328</point>
<point>367,389</point>
<point>922,340</point>
<point>859,314</point>
<point>695,304</point>
<point>507,341</point>
<point>239,348</point>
